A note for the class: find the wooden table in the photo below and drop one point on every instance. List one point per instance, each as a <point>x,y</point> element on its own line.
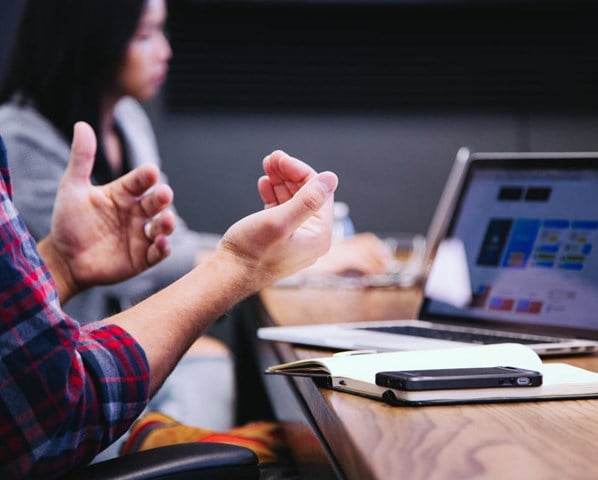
<point>337,435</point>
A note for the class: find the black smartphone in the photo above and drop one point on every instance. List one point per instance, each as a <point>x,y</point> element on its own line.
<point>451,378</point>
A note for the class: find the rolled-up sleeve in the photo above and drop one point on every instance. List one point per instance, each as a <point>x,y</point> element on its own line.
<point>66,391</point>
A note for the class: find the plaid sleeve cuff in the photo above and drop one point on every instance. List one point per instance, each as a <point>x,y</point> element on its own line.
<point>121,373</point>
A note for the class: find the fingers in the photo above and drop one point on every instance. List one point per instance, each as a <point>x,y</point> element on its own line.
<point>157,200</point>
<point>266,191</point>
<point>156,231</point>
<point>372,250</point>
<point>285,176</point>
<point>310,199</point>
<point>83,150</point>
<point>162,225</point>
<point>158,250</point>
<point>139,180</point>
<point>280,167</point>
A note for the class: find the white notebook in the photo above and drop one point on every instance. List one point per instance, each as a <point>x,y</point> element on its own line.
<point>355,373</point>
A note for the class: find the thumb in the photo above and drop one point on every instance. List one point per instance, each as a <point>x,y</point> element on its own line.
<point>310,199</point>
<point>83,151</point>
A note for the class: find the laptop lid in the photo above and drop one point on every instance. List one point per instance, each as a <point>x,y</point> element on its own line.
<point>526,224</point>
<point>447,202</point>
<point>529,225</point>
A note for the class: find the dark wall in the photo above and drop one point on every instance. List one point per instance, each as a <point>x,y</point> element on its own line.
<point>387,111</point>
<point>392,167</point>
<point>10,11</point>
<point>390,56</point>
<point>384,93</point>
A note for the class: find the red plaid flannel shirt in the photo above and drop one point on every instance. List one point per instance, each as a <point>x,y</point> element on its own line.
<point>66,391</point>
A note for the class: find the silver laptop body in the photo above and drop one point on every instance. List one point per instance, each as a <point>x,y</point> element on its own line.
<point>528,223</point>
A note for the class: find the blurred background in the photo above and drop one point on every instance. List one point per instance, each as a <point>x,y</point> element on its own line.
<point>382,92</point>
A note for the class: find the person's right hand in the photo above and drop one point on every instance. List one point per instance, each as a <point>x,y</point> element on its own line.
<point>98,233</point>
<point>295,228</point>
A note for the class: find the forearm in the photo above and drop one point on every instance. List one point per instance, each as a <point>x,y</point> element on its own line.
<point>167,323</point>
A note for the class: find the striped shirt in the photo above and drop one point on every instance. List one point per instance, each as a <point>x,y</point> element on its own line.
<point>66,391</point>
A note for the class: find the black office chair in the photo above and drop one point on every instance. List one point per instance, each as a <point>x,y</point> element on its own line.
<point>186,461</point>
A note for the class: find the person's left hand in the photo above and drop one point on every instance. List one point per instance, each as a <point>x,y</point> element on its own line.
<point>99,233</point>
<point>292,231</point>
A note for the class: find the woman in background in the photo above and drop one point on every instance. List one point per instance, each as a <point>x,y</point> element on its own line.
<point>95,60</point>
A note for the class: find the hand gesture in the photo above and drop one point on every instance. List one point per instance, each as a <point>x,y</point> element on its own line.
<point>295,227</point>
<point>104,234</point>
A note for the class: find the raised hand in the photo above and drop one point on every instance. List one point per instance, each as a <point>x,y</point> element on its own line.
<point>294,229</point>
<point>104,234</point>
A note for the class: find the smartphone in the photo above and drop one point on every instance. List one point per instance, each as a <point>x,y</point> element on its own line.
<point>451,378</point>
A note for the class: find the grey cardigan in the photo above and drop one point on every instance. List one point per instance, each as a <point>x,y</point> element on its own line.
<point>38,154</point>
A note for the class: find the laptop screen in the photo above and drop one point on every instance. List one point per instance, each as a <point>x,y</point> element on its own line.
<point>529,227</point>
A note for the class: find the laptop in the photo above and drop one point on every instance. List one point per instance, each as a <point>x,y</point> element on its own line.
<point>527,224</point>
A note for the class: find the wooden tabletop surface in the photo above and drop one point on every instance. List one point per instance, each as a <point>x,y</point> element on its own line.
<point>369,439</point>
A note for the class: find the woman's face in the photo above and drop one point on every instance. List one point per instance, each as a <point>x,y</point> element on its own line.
<point>145,66</point>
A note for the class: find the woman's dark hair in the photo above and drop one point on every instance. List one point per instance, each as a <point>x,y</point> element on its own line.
<point>66,57</point>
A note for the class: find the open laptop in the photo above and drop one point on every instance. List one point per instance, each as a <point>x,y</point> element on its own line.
<point>528,223</point>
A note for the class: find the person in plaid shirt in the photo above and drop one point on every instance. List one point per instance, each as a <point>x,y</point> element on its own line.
<point>68,391</point>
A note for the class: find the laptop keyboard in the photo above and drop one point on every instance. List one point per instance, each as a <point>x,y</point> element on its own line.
<point>469,337</point>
